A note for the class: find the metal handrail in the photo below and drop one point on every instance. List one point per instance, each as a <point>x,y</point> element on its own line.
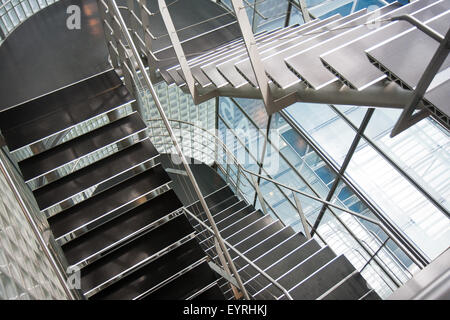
<point>353,213</point>
<point>140,66</point>
<point>262,272</point>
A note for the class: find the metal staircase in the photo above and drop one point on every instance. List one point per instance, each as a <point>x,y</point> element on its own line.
<point>306,269</point>
<point>364,59</point>
<point>98,179</point>
<point>302,266</point>
<point>107,199</point>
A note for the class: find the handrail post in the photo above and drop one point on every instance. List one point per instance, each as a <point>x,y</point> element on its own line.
<point>302,216</point>
<point>238,178</point>
<point>259,194</point>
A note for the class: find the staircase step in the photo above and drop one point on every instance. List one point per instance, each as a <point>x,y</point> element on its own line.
<point>204,234</point>
<point>69,153</point>
<point>76,93</point>
<point>342,60</point>
<point>283,260</point>
<point>390,54</point>
<point>212,293</point>
<point>137,253</point>
<point>102,240</point>
<point>54,116</point>
<point>105,206</point>
<point>323,279</point>
<point>269,239</point>
<point>249,230</point>
<point>353,288</point>
<point>212,199</point>
<point>372,295</point>
<point>57,195</point>
<point>155,274</point>
<point>230,211</point>
<point>306,64</point>
<point>240,224</point>
<point>234,218</point>
<point>187,285</point>
<point>213,76</point>
<point>273,59</point>
<point>218,52</point>
<point>237,79</point>
<point>258,237</point>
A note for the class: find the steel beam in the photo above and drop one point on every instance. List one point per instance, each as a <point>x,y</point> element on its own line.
<point>253,54</point>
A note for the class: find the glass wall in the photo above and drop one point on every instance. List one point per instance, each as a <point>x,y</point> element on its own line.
<point>401,180</point>
<point>25,272</point>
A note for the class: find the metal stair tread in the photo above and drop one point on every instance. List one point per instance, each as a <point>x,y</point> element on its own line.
<point>323,279</point>
<point>212,199</point>
<point>186,285</point>
<point>132,254</point>
<point>107,202</point>
<point>153,274</point>
<point>75,93</point>
<point>121,228</point>
<point>352,288</point>
<point>65,118</point>
<point>211,71</point>
<point>74,149</point>
<point>247,231</point>
<point>229,72</point>
<point>307,64</point>
<point>229,211</point>
<point>197,69</point>
<point>240,224</point>
<point>98,172</point>
<point>273,60</point>
<point>344,59</point>
<point>256,251</point>
<point>421,49</point>
<point>283,262</point>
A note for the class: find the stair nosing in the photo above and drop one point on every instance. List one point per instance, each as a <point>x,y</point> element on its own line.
<point>205,288</point>
<point>77,232</point>
<point>220,231</point>
<point>69,202</point>
<point>314,273</point>
<point>29,145</point>
<point>274,248</point>
<point>334,287</point>
<point>295,267</point>
<point>243,253</point>
<point>86,155</point>
<point>139,265</point>
<point>127,239</point>
<point>171,278</point>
